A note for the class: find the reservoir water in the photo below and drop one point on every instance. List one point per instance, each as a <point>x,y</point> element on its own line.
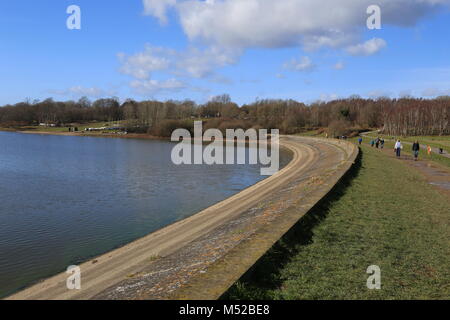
<point>66,199</point>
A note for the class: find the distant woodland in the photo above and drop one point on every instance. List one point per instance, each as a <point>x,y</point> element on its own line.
<point>406,116</point>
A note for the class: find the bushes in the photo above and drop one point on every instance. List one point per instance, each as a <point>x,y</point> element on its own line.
<point>339,128</point>
<point>223,124</point>
<point>166,127</point>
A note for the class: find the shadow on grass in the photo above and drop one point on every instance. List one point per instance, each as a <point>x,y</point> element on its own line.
<point>264,276</point>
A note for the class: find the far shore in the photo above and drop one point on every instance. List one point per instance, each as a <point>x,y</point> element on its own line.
<point>88,134</point>
<point>143,136</point>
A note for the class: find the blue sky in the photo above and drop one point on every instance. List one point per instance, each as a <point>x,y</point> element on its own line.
<point>250,49</point>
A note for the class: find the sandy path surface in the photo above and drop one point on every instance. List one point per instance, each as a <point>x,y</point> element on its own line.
<point>112,268</point>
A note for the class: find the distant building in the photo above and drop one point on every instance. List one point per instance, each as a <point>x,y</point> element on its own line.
<point>47,125</point>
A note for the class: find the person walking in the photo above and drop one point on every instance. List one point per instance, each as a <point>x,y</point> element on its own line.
<point>360,140</point>
<point>416,150</point>
<point>398,148</point>
<point>382,143</point>
<point>372,143</point>
<point>429,150</point>
<point>377,143</point>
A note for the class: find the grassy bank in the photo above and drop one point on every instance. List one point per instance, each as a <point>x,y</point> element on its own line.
<point>382,214</point>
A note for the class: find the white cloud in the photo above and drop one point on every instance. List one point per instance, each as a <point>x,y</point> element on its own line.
<point>374,94</point>
<point>80,91</point>
<point>339,66</point>
<point>285,23</point>
<point>158,8</point>
<point>367,48</point>
<point>150,87</point>
<point>202,63</point>
<point>192,62</point>
<point>434,92</point>
<point>405,93</point>
<point>140,65</point>
<point>328,97</point>
<point>224,29</point>
<point>304,64</point>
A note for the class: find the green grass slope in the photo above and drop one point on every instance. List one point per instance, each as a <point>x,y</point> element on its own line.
<point>383,213</point>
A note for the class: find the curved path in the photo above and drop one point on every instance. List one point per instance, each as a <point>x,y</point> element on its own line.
<point>174,261</point>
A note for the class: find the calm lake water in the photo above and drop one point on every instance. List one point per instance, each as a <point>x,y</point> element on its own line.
<point>64,200</point>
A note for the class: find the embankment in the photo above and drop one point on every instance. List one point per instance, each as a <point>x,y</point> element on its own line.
<point>202,256</point>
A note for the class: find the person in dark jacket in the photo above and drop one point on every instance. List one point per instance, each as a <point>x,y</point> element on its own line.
<point>416,150</point>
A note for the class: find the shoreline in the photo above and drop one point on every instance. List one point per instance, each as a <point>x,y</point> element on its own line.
<point>140,136</point>
<point>96,135</point>
<point>114,267</point>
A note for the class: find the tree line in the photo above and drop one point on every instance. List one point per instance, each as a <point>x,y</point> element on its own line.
<point>59,112</point>
<point>405,116</point>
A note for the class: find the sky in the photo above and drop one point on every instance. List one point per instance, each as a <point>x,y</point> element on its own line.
<point>306,50</point>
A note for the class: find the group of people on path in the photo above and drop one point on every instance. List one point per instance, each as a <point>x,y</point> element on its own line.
<point>378,143</point>
<point>398,147</point>
<point>415,149</point>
